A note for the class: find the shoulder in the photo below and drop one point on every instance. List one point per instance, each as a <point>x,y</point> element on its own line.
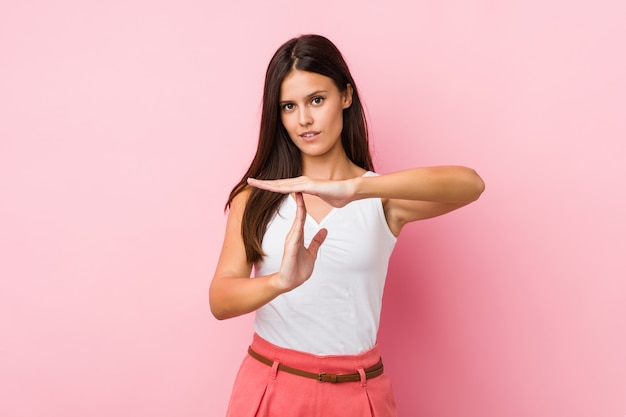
<point>236,210</point>
<point>239,201</point>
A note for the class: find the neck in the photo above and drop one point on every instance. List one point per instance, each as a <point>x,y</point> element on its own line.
<point>327,167</point>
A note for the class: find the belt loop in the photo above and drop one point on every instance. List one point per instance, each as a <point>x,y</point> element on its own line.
<point>274,369</point>
<point>363,377</point>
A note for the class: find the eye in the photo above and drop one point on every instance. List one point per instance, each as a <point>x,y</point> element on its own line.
<point>317,100</point>
<point>288,106</point>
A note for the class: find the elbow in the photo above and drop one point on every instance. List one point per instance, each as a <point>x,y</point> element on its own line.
<point>479,185</point>
<point>217,309</point>
<point>218,314</point>
<point>475,186</point>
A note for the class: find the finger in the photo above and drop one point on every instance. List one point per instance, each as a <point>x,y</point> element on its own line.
<point>297,227</point>
<point>284,186</point>
<point>268,185</point>
<point>317,241</point>
<point>263,185</point>
<point>300,208</point>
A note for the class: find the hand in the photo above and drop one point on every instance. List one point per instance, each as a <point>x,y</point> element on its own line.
<point>337,193</point>
<point>298,261</point>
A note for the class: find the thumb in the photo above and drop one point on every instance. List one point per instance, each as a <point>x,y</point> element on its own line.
<point>317,241</point>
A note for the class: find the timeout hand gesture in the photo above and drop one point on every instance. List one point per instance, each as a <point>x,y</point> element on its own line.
<point>298,261</point>
<point>337,193</point>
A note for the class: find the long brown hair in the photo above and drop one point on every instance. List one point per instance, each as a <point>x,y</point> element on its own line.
<point>276,155</point>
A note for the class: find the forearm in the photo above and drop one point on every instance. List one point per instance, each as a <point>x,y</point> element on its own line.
<point>445,184</point>
<point>233,296</point>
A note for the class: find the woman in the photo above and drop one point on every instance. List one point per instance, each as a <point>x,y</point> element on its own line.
<point>317,226</point>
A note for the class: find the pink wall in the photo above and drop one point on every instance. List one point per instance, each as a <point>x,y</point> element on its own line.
<point>124,124</point>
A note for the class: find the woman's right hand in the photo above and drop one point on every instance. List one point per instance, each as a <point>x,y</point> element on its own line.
<point>233,292</point>
<point>298,261</point>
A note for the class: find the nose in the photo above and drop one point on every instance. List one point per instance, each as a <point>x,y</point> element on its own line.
<point>304,117</point>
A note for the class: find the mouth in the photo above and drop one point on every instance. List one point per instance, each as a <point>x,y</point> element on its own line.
<point>309,136</point>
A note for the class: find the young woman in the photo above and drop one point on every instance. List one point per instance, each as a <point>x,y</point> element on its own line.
<point>317,226</point>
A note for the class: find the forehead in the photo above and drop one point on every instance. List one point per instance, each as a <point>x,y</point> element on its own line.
<point>299,84</point>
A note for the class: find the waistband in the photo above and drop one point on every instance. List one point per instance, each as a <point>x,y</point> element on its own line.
<point>361,374</point>
<point>326,364</point>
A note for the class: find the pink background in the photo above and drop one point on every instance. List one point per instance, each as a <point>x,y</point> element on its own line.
<point>124,124</point>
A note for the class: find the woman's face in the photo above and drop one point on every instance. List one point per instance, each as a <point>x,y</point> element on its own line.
<point>311,109</point>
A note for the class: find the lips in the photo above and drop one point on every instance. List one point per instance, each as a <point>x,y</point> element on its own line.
<point>309,136</point>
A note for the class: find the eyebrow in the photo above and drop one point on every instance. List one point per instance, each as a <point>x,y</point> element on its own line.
<point>308,96</point>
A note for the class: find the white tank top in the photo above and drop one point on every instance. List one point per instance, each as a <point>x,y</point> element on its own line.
<point>337,310</point>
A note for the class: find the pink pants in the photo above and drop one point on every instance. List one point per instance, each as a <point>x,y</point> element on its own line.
<point>263,391</point>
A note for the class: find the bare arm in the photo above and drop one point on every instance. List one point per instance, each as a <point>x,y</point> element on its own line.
<point>421,193</point>
<point>408,195</point>
<point>233,292</point>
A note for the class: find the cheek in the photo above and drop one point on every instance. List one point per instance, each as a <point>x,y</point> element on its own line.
<point>290,124</point>
<point>336,118</point>
<point>285,120</point>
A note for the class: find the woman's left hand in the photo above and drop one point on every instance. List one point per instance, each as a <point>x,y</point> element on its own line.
<point>336,193</point>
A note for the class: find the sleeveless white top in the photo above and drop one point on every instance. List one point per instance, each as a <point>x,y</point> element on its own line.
<point>337,310</point>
